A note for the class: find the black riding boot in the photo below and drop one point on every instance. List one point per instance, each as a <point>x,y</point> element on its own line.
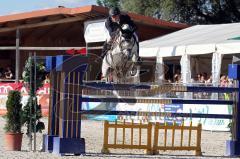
<point>105,49</point>
<point>139,59</point>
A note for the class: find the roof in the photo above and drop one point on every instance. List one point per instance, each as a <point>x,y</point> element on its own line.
<point>11,22</point>
<point>199,39</point>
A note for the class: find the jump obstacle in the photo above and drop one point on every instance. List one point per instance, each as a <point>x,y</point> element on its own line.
<point>66,97</point>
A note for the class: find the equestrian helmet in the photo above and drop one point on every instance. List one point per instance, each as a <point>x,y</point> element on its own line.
<point>114,11</point>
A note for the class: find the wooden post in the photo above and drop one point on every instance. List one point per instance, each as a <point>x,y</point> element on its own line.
<point>149,139</point>
<point>182,128</point>
<point>132,133</point>
<point>140,133</point>
<point>17,66</point>
<point>105,149</point>
<point>190,134</point>
<point>124,124</point>
<point>155,140</point>
<point>199,133</point>
<point>165,135</point>
<point>115,133</point>
<point>173,133</point>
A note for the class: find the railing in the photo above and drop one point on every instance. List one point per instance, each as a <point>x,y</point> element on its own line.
<point>153,149</point>
<point>123,144</point>
<point>173,146</point>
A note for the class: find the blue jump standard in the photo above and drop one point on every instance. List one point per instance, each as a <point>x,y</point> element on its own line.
<point>62,120</point>
<point>68,139</point>
<point>48,138</point>
<point>233,146</point>
<point>65,146</point>
<point>48,142</point>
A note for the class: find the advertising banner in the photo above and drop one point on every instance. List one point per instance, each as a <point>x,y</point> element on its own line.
<point>43,96</point>
<point>209,124</point>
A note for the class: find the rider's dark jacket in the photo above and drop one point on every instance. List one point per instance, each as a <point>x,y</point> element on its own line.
<point>123,19</point>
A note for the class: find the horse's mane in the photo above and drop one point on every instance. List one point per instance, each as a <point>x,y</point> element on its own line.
<point>116,35</point>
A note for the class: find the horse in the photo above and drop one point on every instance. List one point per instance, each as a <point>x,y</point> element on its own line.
<point>119,64</point>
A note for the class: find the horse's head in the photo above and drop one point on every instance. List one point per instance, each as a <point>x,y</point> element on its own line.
<point>123,41</point>
<point>127,32</point>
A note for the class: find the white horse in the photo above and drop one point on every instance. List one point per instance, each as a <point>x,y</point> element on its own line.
<point>119,64</point>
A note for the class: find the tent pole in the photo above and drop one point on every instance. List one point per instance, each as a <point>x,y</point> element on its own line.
<point>17,63</point>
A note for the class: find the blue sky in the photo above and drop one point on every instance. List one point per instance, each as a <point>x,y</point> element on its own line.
<point>18,6</point>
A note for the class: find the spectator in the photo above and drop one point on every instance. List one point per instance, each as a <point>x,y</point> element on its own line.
<point>209,81</point>
<point>202,79</point>
<point>177,78</point>
<point>205,76</point>
<point>8,73</point>
<point>223,81</point>
<point>47,80</point>
<point>199,75</point>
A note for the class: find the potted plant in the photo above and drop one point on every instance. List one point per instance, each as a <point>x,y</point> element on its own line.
<point>13,136</point>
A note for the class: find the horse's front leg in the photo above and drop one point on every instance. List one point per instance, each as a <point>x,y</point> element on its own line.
<point>105,68</point>
<point>134,57</point>
<point>129,54</point>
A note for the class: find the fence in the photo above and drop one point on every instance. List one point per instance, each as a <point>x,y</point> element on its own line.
<point>124,145</point>
<point>151,149</point>
<point>173,128</point>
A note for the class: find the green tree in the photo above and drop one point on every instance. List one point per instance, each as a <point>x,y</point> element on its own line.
<point>184,11</point>
<point>205,11</point>
<point>108,3</point>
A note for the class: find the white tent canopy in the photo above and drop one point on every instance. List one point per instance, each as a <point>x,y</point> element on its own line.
<point>195,40</point>
<point>199,39</point>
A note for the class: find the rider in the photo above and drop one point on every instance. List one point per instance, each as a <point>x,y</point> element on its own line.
<point>115,21</point>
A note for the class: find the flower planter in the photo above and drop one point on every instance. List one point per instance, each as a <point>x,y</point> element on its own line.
<point>13,141</point>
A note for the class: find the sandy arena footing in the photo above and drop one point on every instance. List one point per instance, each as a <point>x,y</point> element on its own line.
<point>213,146</point>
